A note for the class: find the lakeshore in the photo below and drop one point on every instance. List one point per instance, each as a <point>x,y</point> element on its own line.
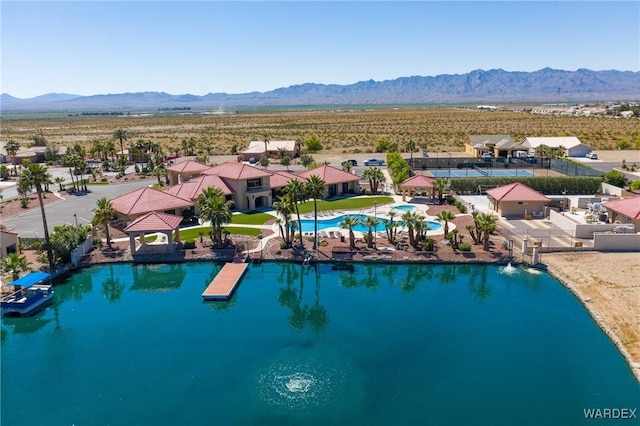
<point>608,286</point>
<point>610,294</point>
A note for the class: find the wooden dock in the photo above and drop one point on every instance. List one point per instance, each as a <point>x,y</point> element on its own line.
<point>225,282</point>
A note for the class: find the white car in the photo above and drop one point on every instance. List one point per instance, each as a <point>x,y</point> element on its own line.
<point>592,155</point>
<point>373,162</point>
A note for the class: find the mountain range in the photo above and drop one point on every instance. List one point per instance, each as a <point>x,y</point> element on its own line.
<point>479,86</point>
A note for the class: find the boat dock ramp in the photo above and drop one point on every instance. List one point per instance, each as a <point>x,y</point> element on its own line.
<point>225,282</point>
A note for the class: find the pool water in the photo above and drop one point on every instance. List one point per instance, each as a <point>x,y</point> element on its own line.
<point>307,224</point>
<point>384,345</point>
<point>404,207</point>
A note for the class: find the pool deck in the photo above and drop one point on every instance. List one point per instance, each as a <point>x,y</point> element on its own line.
<point>225,282</point>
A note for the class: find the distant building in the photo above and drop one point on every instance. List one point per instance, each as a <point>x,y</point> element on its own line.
<point>256,149</point>
<point>338,182</point>
<point>498,145</point>
<point>572,145</point>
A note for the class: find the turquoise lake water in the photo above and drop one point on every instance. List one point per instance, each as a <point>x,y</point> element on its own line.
<point>308,224</point>
<point>385,345</point>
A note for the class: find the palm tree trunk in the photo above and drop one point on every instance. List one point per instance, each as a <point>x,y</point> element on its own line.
<point>46,229</point>
<point>299,226</point>
<point>315,224</point>
<point>106,232</point>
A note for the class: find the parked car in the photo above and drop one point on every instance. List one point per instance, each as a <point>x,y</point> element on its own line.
<point>253,160</point>
<point>487,156</point>
<point>350,160</point>
<point>592,155</point>
<point>374,162</point>
<point>531,159</point>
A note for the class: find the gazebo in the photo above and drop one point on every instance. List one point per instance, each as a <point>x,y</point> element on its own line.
<point>417,183</point>
<point>154,222</point>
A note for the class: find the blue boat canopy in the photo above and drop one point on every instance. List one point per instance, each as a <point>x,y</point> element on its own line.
<point>31,279</point>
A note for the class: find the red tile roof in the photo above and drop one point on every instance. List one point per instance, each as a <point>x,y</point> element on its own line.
<point>281,178</point>
<point>146,200</point>
<point>516,192</point>
<point>236,171</point>
<point>190,189</point>
<point>629,207</point>
<point>419,181</point>
<point>330,175</point>
<point>189,166</point>
<point>154,222</point>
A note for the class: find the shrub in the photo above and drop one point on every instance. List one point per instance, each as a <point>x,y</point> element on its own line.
<point>191,244</point>
<point>97,242</point>
<point>461,207</point>
<point>464,246</point>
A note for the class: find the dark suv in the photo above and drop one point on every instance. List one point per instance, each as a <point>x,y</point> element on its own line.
<point>352,161</point>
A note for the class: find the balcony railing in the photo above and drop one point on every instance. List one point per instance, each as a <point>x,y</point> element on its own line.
<point>261,188</point>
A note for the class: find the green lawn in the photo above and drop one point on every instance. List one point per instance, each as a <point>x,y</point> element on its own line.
<point>239,230</point>
<point>251,218</point>
<point>192,234</point>
<point>345,204</point>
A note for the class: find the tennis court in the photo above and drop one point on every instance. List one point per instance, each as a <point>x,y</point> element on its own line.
<point>476,173</point>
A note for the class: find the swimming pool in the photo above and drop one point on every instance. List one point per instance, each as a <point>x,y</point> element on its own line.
<point>404,207</point>
<point>388,344</point>
<point>307,224</point>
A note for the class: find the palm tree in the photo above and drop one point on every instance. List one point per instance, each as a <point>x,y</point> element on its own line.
<point>299,145</point>
<point>349,223</point>
<point>15,264</point>
<point>215,208</point>
<point>70,159</point>
<point>421,227</point>
<point>160,171</point>
<point>315,188</point>
<point>391,226</point>
<point>411,146</point>
<point>445,217</point>
<point>371,223</point>
<point>12,147</point>
<point>102,214</point>
<point>110,150</point>
<point>295,190</point>
<point>486,224</point>
<point>285,207</point>
<point>96,150</point>
<point>36,176</point>
<point>122,135</point>
<point>60,181</point>
<point>410,220</point>
<point>542,151</point>
<point>266,138</point>
<point>375,177</point>
<point>441,185</point>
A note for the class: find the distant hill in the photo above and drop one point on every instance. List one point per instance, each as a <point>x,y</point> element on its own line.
<point>479,86</point>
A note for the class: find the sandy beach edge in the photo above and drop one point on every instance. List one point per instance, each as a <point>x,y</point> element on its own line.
<point>572,286</point>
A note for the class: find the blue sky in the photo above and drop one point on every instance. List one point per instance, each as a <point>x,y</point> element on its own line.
<point>88,48</point>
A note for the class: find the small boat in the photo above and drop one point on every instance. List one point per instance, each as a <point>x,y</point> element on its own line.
<point>30,296</point>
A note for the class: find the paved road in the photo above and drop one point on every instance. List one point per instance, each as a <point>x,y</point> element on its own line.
<point>29,224</point>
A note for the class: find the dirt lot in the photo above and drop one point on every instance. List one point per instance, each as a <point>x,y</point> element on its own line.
<point>608,284</point>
